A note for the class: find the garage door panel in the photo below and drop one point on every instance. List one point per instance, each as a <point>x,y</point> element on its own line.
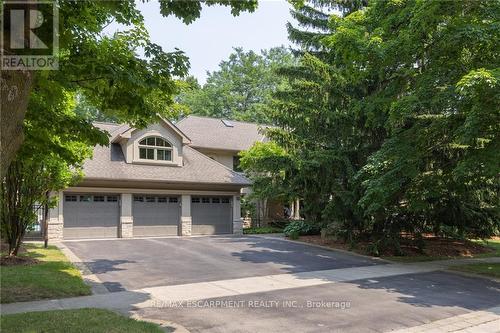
<point>91,215</point>
<point>156,215</point>
<point>211,215</point>
<point>155,230</point>
<point>90,232</point>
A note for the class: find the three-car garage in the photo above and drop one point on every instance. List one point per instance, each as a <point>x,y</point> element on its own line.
<point>97,215</point>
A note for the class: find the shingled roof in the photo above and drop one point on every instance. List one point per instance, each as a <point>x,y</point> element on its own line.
<point>109,163</point>
<point>212,133</point>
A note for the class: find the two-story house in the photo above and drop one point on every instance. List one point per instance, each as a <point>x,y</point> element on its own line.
<point>165,180</point>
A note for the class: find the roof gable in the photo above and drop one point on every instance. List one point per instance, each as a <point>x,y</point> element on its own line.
<point>125,131</point>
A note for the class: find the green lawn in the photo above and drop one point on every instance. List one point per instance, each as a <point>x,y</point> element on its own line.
<point>492,243</point>
<point>53,277</point>
<point>82,320</point>
<point>492,270</point>
<point>262,230</point>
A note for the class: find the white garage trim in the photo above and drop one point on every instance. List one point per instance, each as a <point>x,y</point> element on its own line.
<point>151,191</point>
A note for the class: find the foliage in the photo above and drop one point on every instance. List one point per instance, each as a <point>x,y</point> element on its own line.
<point>302,228</point>
<point>242,87</point>
<point>125,77</point>
<point>53,277</point>
<point>268,166</point>
<point>57,142</point>
<point>78,321</point>
<point>390,122</point>
<point>262,230</point>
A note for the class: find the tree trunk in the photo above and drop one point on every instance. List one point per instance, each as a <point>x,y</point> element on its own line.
<point>46,223</point>
<point>15,88</point>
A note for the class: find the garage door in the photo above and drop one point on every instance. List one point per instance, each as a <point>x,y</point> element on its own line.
<point>156,215</point>
<point>211,215</point>
<point>91,215</point>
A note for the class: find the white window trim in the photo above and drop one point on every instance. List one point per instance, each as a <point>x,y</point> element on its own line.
<point>137,146</point>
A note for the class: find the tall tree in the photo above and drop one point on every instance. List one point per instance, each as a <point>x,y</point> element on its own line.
<point>50,159</point>
<point>242,87</point>
<point>393,126</point>
<point>106,69</point>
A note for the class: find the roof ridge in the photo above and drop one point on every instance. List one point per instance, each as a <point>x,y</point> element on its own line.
<point>216,118</point>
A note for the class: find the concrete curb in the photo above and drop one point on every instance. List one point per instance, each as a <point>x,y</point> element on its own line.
<point>282,238</point>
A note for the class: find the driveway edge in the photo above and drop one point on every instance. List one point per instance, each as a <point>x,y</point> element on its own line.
<point>322,247</point>
<point>88,277</point>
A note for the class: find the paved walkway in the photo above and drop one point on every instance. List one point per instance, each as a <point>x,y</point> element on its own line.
<point>484,321</point>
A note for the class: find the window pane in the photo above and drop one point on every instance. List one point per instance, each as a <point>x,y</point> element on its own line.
<point>138,199</point>
<point>162,199</point>
<point>160,142</point>
<point>173,199</point>
<point>150,141</point>
<point>112,198</point>
<point>150,154</point>
<point>195,200</point>
<point>215,200</point>
<point>163,155</point>
<point>142,142</point>
<point>205,200</point>
<point>98,198</point>
<point>150,199</point>
<point>142,153</point>
<point>85,198</point>
<point>70,197</point>
<point>168,155</point>
<point>225,200</point>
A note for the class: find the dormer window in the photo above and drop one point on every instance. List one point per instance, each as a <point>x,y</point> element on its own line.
<point>155,148</point>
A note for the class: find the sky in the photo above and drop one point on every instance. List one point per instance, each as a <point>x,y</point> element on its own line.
<point>211,38</point>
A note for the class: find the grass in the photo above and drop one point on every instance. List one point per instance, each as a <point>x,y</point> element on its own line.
<point>492,243</point>
<point>262,230</point>
<point>492,270</point>
<point>53,277</point>
<point>75,321</point>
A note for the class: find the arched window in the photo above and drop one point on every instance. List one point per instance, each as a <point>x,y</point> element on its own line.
<point>155,148</point>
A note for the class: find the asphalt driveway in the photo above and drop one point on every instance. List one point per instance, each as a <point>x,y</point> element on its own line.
<point>368,305</point>
<point>139,263</point>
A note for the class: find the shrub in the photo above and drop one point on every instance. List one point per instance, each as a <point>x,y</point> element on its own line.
<point>301,228</point>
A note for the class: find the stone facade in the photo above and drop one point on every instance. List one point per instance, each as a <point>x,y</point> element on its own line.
<point>55,229</point>
<point>238,227</point>
<point>126,227</point>
<point>186,223</point>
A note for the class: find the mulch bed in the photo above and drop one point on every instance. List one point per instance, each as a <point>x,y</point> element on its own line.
<point>6,260</point>
<point>434,247</point>
<point>17,261</point>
